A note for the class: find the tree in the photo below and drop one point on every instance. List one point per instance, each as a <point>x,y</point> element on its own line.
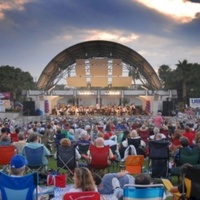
<point>164,73</point>
<point>183,71</point>
<point>15,80</point>
<point>185,79</point>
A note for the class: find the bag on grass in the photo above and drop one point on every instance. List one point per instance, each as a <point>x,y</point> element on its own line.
<point>56,179</point>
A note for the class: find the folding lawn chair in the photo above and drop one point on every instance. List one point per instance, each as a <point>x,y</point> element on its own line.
<point>190,184</point>
<point>6,153</point>
<point>134,163</point>
<point>81,195</point>
<point>191,179</point>
<point>66,159</point>
<point>35,159</point>
<point>99,158</point>
<point>83,149</point>
<point>165,132</point>
<point>136,142</point>
<point>159,158</point>
<point>23,187</point>
<point>143,192</point>
<point>186,155</point>
<point>144,135</point>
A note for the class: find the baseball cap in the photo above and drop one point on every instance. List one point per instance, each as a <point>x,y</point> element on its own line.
<point>18,161</point>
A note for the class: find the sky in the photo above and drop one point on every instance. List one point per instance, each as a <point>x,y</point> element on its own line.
<point>33,32</point>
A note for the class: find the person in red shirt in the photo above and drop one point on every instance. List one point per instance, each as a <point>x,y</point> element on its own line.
<point>190,135</point>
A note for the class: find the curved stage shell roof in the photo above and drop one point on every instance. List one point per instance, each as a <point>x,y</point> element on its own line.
<point>62,64</point>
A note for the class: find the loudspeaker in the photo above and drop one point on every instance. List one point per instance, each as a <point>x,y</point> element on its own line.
<point>29,108</point>
<point>168,107</point>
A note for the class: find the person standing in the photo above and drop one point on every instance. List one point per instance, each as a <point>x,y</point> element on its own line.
<point>158,120</point>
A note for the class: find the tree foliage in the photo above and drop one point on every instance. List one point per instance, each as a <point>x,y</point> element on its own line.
<point>15,80</point>
<point>185,79</point>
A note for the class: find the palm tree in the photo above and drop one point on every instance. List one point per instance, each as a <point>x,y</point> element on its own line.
<point>164,73</point>
<point>183,72</point>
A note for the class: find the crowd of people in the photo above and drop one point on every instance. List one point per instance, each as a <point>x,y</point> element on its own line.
<point>100,131</point>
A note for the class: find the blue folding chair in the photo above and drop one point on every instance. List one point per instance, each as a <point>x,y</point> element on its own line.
<point>35,159</point>
<point>23,187</point>
<point>143,192</point>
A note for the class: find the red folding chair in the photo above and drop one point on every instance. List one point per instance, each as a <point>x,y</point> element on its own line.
<point>165,132</point>
<point>82,195</point>
<point>6,153</point>
<point>99,158</point>
<point>144,135</point>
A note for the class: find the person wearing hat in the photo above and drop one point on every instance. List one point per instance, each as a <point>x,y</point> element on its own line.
<point>18,168</point>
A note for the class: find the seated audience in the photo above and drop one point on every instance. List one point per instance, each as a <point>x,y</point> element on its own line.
<point>113,183</point>
<point>190,135</point>
<point>66,143</point>
<point>108,141</point>
<point>156,131</point>
<point>21,143</point>
<point>18,168</point>
<point>99,143</point>
<point>34,144</point>
<point>184,143</point>
<point>175,141</point>
<point>179,188</point>
<point>84,139</point>
<point>133,135</point>
<point>143,179</point>
<point>5,140</point>
<point>83,180</point>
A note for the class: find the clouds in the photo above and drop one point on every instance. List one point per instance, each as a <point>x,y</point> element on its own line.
<point>32,32</point>
<point>181,11</point>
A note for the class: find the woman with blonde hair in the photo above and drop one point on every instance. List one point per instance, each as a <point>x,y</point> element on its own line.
<point>133,135</point>
<point>83,180</point>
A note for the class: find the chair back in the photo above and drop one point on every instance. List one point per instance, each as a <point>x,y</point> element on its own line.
<point>83,148</point>
<point>159,156</point>
<point>144,135</point>
<point>192,182</point>
<point>6,153</point>
<point>165,132</point>
<point>99,157</point>
<point>134,141</point>
<point>120,127</point>
<point>158,149</point>
<point>114,149</point>
<point>23,188</point>
<point>66,157</point>
<point>190,156</point>
<point>34,156</point>
<point>143,192</point>
<point>134,164</point>
<point>82,195</point>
